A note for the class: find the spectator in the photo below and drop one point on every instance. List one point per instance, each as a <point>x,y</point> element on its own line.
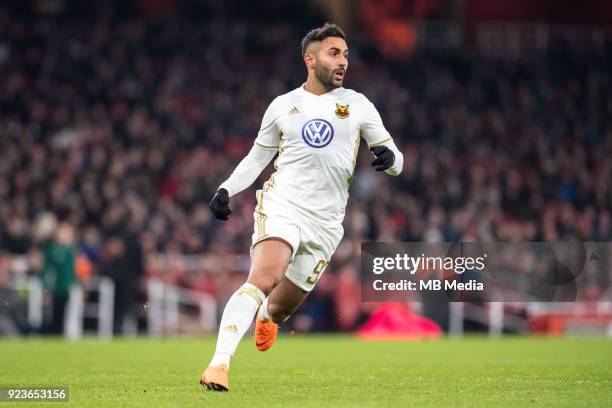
<point>122,262</point>
<point>58,275</point>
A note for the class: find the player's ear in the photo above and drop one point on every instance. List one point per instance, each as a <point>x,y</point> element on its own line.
<point>309,60</point>
<point>310,57</point>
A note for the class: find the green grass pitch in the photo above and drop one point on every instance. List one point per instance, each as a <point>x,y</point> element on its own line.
<point>319,371</point>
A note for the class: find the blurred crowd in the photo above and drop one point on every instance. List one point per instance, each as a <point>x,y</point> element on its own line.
<point>123,130</point>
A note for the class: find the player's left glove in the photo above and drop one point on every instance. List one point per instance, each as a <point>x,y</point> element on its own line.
<point>384,158</point>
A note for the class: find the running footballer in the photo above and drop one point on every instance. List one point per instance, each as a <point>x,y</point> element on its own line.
<point>316,130</point>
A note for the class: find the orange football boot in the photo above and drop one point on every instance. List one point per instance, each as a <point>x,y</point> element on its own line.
<point>265,334</point>
<point>215,378</point>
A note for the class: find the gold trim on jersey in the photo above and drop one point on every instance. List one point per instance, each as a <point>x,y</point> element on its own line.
<point>261,219</point>
<point>280,143</point>
<point>280,150</point>
<point>265,146</point>
<point>355,152</point>
<point>379,143</point>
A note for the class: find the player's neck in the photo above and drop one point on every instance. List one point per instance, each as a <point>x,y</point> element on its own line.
<point>315,87</point>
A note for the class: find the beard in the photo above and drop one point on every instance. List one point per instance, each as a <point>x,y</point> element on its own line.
<point>326,77</point>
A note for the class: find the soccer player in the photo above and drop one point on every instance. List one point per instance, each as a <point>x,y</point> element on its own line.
<point>316,130</point>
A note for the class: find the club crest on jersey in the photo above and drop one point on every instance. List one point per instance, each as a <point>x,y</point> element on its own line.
<point>317,133</point>
<point>342,111</point>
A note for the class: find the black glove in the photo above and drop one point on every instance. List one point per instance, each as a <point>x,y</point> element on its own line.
<point>219,205</point>
<point>384,158</point>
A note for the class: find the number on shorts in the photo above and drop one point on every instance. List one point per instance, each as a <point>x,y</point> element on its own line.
<point>316,272</point>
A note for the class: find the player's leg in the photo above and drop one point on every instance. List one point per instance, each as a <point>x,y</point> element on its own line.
<point>275,239</point>
<point>317,244</point>
<point>270,258</point>
<point>283,301</point>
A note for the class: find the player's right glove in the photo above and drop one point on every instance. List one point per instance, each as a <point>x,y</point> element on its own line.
<point>384,158</point>
<point>219,205</point>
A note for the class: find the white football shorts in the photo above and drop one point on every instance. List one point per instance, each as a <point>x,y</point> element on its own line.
<point>312,242</point>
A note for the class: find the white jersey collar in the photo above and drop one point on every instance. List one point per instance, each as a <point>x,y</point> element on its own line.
<point>332,92</point>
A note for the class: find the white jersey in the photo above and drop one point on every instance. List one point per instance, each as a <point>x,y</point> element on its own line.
<point>318,138</point>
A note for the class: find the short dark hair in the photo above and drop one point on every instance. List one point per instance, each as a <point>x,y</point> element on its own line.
<point>320,34</point>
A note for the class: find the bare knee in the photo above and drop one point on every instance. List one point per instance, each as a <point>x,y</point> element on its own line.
<point>264,283</point>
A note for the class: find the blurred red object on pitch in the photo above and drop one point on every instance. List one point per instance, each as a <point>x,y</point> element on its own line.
<point>394,321</point>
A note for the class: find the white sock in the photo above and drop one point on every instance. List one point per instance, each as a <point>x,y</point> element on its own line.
<point>263,311</point>
<point>237,317</point>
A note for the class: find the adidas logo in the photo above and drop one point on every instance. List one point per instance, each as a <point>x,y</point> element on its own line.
<point>231,328</point>
<point>293,111</point>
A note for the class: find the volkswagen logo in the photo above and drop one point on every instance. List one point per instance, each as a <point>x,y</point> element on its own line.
<point>317,132</point>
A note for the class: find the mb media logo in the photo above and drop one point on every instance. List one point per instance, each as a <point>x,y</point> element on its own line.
<point>317,133</point>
